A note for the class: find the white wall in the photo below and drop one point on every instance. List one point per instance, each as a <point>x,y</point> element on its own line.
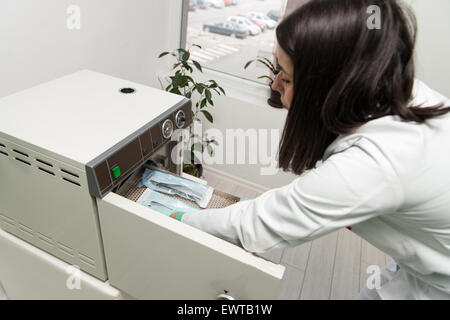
<point>433,43</point>
<point>242,109</point>
<point>118,37</point>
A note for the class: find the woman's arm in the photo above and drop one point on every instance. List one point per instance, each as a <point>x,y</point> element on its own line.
<point>349,187</point>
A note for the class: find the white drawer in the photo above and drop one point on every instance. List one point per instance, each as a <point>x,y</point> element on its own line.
<point>151,256</point>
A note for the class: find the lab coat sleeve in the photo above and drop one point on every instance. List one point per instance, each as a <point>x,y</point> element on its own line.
<point>351,186</point>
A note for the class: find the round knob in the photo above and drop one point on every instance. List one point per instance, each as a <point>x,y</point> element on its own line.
<point>167,128</point>
<point>224,297</point>
<point>180,119</point>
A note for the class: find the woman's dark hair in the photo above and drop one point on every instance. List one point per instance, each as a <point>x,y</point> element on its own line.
<point>345,74</point>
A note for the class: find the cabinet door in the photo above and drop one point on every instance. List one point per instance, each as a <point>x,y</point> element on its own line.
<point>152,256</point>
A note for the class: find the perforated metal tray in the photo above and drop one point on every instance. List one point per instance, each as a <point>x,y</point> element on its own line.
<point>219,199</point>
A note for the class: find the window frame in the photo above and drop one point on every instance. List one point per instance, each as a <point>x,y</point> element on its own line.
<point>237,87</point>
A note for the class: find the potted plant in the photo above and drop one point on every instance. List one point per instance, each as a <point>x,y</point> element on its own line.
<point>201,93</point>
<point>275,97</point>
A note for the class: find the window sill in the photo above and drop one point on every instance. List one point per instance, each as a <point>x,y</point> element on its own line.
<point>235,88</point>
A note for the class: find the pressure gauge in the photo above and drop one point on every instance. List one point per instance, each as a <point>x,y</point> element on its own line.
<point>167,128</point>
<point>180,119</point>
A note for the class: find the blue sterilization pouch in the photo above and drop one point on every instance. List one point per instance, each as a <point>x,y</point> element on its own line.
<point>162,203</point>
<point>171,184</point>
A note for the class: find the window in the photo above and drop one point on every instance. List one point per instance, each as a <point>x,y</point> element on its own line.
<point>232,32</point>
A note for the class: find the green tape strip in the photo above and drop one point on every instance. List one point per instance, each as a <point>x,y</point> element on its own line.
<point>179,216</point>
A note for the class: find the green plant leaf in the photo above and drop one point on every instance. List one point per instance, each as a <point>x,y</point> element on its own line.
<point>203,103</point>
<point>175,90</point>
<point>186,56</point>
<point>183,81</point>
<point>187,66</point>
<point>267,63</point>
<point>261,77</point>
<point>200,88</point>
<point>248,63</point>
<point>163,54</point>
<point>197,65</point>
<point>221,89</point>
<point>196,45</point>
<point>181,50</point>
<point>175,81</point>
<point>208,95</point>
<point>207,115</point>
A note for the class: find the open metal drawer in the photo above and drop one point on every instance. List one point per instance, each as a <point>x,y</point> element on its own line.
<point>151,256</point>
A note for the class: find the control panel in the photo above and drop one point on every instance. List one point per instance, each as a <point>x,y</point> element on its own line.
<point>112,167</point>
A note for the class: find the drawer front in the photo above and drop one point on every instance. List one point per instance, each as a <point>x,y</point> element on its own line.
<point>151,256</point>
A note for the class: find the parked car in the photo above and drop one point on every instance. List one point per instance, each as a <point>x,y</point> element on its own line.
<point>234,2</point>
<point>262,18</point>
<point>191,5</point>
<point>246,23</point>
<point>219,4</point>
<point>203,4</point>
<point>227,28</point>
<point>260,25</point>
<point>274,15</point>
<point>227,3</point>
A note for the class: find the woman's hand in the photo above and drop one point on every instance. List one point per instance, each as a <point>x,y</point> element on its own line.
<point>175,214</point>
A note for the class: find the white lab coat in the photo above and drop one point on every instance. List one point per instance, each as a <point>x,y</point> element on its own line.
<point>389,181</point>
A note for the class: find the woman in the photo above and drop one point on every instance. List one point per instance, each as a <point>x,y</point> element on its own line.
<point>368,155</point>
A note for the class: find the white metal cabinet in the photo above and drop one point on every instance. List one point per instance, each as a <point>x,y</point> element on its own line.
<point>27,272</point>
<point>152,256</point>
<point>48,207</point>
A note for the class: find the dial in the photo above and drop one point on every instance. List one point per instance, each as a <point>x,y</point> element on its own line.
<point>167,128</point>
<point>180,119</point>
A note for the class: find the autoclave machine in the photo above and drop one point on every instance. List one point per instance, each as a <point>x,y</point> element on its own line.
<point>72,151</point>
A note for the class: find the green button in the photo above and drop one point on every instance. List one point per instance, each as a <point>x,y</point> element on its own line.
<point>116,172</point>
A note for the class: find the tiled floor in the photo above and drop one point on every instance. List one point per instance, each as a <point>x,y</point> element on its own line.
<point>331,267</point>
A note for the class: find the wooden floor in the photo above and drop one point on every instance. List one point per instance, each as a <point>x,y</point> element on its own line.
<point>331,267</point>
